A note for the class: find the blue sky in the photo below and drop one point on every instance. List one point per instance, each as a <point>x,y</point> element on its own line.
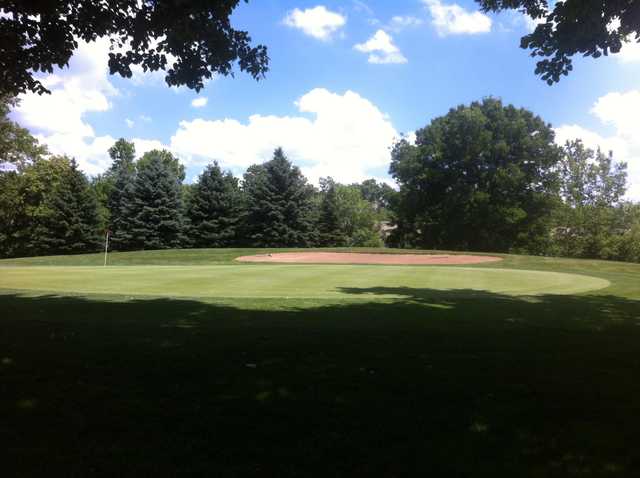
<point>345,79</point>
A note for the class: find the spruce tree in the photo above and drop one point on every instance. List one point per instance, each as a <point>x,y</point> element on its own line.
<point>119,179</point>
<point>75,218</point>
<point>215,209</point>
<point>330,232</point>
<point>151,204</point>
<point>279,204</point>
<point>61,209</point>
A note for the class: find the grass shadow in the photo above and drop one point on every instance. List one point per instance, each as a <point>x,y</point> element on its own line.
<point>452,383</point>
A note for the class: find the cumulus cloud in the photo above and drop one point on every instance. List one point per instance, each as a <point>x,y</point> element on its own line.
<point>618,110</point>
<point>58,120</point>
<point>199,102</point>
<point>452,19</point>
<point>347,138</point>
<point>318,22</point>
<point>630,53</point>
<point>381,49</point>
<point>83,88</point>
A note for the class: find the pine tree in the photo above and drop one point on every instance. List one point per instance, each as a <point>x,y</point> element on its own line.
<point>61,211</point>
<point>329,229</point>
<point>279,204</point>
<point>75,219</point>
<point>215,209</point>
<point>151,205</point>
<point>119,183</point>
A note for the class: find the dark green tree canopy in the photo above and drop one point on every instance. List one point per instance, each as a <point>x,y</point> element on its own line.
<point>215,209</point>
<point>118,184</point>
<point>36,35</point>
<point>151,207</point>
<point>482,177</point>
<point>570,27</point>
<point>47,207</point>
<point>279,204</point>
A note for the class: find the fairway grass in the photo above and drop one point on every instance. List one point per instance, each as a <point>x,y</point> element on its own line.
<point>184,363</point>
<point>289,281</point>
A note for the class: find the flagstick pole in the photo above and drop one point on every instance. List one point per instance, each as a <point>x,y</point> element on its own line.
<point>106,248</point>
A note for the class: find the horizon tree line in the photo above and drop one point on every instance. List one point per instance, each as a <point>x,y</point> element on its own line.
<point>483,177</point>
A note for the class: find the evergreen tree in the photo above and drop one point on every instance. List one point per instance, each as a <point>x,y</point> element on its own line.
<point>73,225</point>
<point>330,232</point>
<point>59,211</point>
<point>215,209</point>
<point>279,204</point>
<point>151,205</point>
<point>118,184</point>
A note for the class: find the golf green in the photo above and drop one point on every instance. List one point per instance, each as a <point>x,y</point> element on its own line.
<point>290,281</point>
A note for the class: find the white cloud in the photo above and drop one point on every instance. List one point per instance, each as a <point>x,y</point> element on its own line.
<point>317,22</point>
<point>58,120</point>
<point>630,53</point>
<point>381,49</point>
<point>199,102</point>
<point>618,110</point>
<point>399,23</point>
<point>145,118</point>
<point>347,138</point>
<point>532,23</point>
<point>452,19</point>
<point>130,123</point>
<point>82,88</point>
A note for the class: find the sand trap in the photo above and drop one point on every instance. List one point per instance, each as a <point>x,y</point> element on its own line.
<point>365,258</point>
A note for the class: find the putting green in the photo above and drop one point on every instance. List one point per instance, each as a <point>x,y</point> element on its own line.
<point>290,281</point>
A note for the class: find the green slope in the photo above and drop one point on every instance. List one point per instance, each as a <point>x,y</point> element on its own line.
<point>290,281</point>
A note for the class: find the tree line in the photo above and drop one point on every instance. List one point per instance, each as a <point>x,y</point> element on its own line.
<point>48,206</point>
<point>483,177</point>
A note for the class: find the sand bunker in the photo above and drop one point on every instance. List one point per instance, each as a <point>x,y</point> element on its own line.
<point>365,258</point>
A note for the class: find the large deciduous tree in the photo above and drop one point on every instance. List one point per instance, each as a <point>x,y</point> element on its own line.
<point>279,204</point>
<point>18,147</point>
<point>346,217</point>
<point>191,40</point>
<point>590,221</point>
<point>215,209</point>
<point>569,27</point>
<point>482,177</point>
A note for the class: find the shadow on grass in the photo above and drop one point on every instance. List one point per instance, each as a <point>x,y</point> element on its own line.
<point>452,383</point>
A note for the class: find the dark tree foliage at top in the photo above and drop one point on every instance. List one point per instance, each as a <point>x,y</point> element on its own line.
<point>189,39</point>
<point>279,204</point>
<point>571,27</point>
<point>483,177</point>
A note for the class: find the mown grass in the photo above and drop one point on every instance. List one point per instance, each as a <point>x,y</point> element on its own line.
<point>429,383</point>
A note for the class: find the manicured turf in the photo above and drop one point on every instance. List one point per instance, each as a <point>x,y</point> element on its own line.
<point>288,281</point>
<point>388,374</point>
